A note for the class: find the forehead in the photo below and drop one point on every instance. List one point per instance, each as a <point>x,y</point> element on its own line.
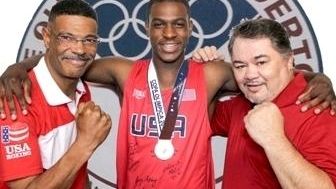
<point>247,48</point>
<point>75,24</point>
<point>168,10</point>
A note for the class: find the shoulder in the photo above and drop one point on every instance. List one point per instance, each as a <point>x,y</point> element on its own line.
<point>114,60</point>
<point>137,74</point>
<point>141,64</point>
<point>217,67</point>
<point>233,101</point>
<point>217,74</point>
<point>313,128</point>
<point>325,120</point>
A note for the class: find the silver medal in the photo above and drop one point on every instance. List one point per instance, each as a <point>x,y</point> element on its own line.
<point>164,149</point>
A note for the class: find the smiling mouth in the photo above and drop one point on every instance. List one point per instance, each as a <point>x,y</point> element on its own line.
<point>76,61</point>
<point>253,87</point>
<point>170,47</point>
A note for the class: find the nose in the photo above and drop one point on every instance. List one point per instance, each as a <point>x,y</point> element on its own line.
<point>78,47</point>
<point>252,72</point>
<point>169,31</point>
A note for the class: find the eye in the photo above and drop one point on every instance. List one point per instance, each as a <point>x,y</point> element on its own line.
<point>90,41</point>
<point>157,24</point>
<point>260,63</point>
<point>239,66</point>
<point>180,24</point>
<point>65,38</point>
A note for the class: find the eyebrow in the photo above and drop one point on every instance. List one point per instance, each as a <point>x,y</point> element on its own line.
<point>67,33</point>
<point>261,56</point>
<point>255,58</point>
<point>237,62</point>
<point>165,20</point>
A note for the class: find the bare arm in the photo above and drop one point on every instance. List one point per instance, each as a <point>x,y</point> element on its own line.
<point>109,70</point>
<point>112,71</point>
<point>218,76</point>
<point>93,126</point>
<point>265,125</point>
<point>12,81</point>
<point>31,62</point>
<point>292,170</point>
<point>319,93</point>
<point>61,175</point>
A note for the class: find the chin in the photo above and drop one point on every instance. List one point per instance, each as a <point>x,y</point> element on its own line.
<point>255,100</point>
<point>170,57</point>
<point>256,97</point>
<point>75,75</point>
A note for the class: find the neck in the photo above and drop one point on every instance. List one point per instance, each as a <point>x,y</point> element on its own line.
<point>68,88</point>
<point>167,72</point>
<point>67,85</point>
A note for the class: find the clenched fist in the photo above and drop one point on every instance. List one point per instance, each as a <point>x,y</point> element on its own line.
<point>93,125</point>
<point>265,124</point>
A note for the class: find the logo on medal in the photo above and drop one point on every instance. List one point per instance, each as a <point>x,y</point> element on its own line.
<point>122,29</point>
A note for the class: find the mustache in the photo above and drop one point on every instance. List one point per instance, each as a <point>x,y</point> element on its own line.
<point>83,57</point>
<point>253,83</point>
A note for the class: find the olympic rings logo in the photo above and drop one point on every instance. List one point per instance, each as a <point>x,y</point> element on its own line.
<point>119,29</point>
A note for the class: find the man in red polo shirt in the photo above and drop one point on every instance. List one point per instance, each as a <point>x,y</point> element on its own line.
<point>270,143</point>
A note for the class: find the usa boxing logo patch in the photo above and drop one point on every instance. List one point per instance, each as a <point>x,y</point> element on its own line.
<point>14,139</point>
<point>15,133</point>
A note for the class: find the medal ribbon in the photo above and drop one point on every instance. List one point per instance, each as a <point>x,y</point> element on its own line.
<point>165,123</point>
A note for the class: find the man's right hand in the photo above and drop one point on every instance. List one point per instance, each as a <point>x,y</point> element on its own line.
<point>14,81</point>
<point>93,125</point>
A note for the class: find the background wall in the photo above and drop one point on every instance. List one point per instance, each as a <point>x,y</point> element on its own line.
<point>16,14</point>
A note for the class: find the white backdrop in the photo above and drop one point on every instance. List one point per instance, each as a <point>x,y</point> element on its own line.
<point>16,14</point>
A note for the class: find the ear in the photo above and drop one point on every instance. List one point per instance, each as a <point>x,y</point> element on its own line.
<point>46,34</point>
<point>290,63</point>
<point>191,25</point>
<point>147,28</point>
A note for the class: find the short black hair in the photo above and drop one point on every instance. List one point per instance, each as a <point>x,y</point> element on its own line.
<point>260,28</point>
<point>152,2</point>
<point>72,7</point>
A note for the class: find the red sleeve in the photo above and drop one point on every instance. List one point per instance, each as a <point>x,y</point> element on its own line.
<point>319,143</point>
<point>221,118</point>
<point>19,149</point>
<point>3,185</point>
